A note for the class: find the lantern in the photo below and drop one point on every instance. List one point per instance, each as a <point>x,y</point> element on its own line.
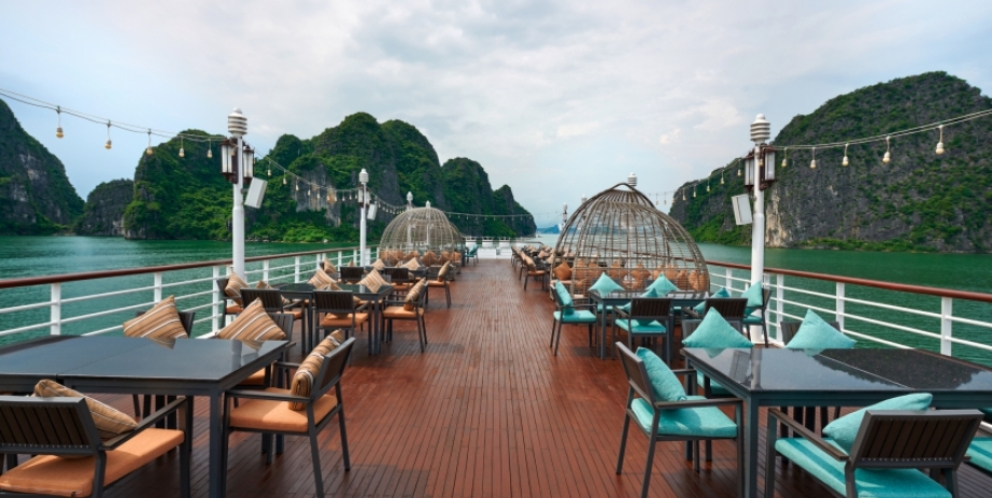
<point>227,164</point>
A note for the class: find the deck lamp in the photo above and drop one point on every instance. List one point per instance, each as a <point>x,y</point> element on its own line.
<point>632,180</point>
<point>249,163</point>
<point>227,163</point>
<point>235,158</point>
<point>363,198</point>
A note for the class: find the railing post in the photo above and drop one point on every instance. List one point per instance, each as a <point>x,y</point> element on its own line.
<point>839,306</point>
<point>728,279</point>
<point>317,263</point>
<point>215,321</point>
<point>296,270</point>
<point>265,270</point>
<point>779,305</point>
<point>158,286</point>
<point>354,256</point>
<point>946,311</point>
<point>340,257</point>
<point>56,316</point>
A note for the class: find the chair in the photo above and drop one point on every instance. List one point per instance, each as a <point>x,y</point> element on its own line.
<point>889,448</point>
<point>340,312</point>
<point>399,277</point>
<point>268,412</point>
<point>442,280</point>
<point>229,309</point>
<point>730,308</point>
<point>263,378</point>
<point>186,318</point>
<point>273,302</point>
<point>692,420</point>
<point>52,428</point>
<point>393,309</point>
<point>474,254</point>
<point>646,310</point>
<point>760,318</point>
<point>351,274</point>
<point>804,415</point>
<point>580,314</point>
<point>980,450</point>
<point>537,273</point>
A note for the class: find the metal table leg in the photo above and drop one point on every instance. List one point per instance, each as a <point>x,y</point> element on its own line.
<point>602,336</point>
<point>751,449</point>
<point>218,474</point>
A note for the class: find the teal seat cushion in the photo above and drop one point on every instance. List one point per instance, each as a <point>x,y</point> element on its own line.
<point>844,429</point>
<point>980,452</point>
<point>662,286</point>
<point>754,297</point>
<point>605,285</point>
<point>814,333</point>
<point>707,421</point>
<point>577,316</point>
<point>753,319</point>
<point>870,483</point>
<point>715,333</point>
<point>664,383</point>
<point>640,327</point>
<point>565,297</point>
<point>701,307</point>
<point>715,388</point>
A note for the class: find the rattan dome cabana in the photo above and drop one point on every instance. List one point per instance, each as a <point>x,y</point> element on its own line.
<point>619,232</point>
<point>421,229</point>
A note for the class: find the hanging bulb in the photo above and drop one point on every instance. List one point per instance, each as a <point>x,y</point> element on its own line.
<point>182,153</point>
<point>940,143</point>
<point>707,187</point>
<point>148,151</point>
<point>269,171</point>
<point>845,161</point>
<point>284,180</point>
<point>785,158</point>
<point>693,191</point>
<point>683,195</point>
<point>721,178</point>
<point>210,150</point>
<point>812,164</point>
<point>888,156</point>
<point>107,145</point>
<point>58,131</point>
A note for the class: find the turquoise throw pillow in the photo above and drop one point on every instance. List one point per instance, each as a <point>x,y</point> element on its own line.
<point>845,429</point>
<point>648,294</point>
<point>565,298</point>
<point>714,332</point>
<point>815,333</point>
<point>723,292</point>
<point>605,285</point>
<point>753,295</point>
<point>663,381</point>
<point>662,285</point>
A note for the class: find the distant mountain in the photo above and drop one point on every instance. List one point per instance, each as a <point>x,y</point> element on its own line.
<point>549,230</point>
<point>104,210</point>
<point>35,194</point>
<point>918,201</point>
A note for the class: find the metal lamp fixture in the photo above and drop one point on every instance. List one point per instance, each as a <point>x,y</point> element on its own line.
<point>759,164</point>
<point>632,180</point>
<point>227,163</point>
<point>248,160</point>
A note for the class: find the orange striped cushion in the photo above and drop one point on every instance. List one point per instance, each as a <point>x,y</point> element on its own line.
<point>373,281</point>
<point>413,295</point>
<point>109,421</point>
<point>303,379</point>
<point>160,322</point>
<point>443,273</point>
<point>413,265</point>
<point>253,324</point>
<point>234,286</point>
<point>379,265</point>
<point>329,267</point>
<point>320,279</point>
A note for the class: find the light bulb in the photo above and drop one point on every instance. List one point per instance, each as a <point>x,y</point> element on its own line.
<point>721,179</point>
<point>707,187</point>
<point>148,151</point>
<point>812,164</point>
<point>182,153</point>
<point>107,145</point>
<point>785,162</point>
<point>939,151</point>
<point>886,158</point>
<point>269,171</point>
<point>844,162</point>
<point>940,148</point>
<point>58,132</point>
<point>210,153</point>
<point>284,180</point>
<point>738,172</point>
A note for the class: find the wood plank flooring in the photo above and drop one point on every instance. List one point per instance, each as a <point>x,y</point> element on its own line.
<point>486,411</point>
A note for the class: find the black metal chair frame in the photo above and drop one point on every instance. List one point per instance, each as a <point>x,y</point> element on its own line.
<point>534,268</point>
<point>730,308</point>
<point>766,297</point>
<point>337,303</point>
<point>222,285</point>
<point>803,415</point>
<point>65,427</point>
<point>434,275</point>
<point>985,471</point>
<point>557,324</point>
<point>637,378</point>
<point>647,309</point>
<point>421,304</point>
<point>890,440</point>
<point>327,377</point>
<point>351,274</point>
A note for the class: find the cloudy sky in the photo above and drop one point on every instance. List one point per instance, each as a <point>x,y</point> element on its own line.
<point>556,99</point>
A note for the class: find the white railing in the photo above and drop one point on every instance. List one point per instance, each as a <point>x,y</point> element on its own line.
<point>99,302</point>
<point>875,312</point>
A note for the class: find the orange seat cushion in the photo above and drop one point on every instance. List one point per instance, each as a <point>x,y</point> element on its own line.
<point>233,309</point>
<point>333,321</point>
<point>536,273</point>
<point>435,283</point>
<point>264,414</point>
<point>401,313</point>
<point>256,379</point>
<point>57,476</point>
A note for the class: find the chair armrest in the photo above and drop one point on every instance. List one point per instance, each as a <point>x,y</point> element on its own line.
<point>688,310</point>
<point>145,423</point>
<point>244,394</point>
<point>684,371</point>
<point>619,313</point>
<point>697,403</point>
<point>830,450</point>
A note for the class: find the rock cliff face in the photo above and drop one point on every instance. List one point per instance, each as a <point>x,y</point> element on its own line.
<point>103,213</point>
<point>918,201</point>
<point>35,194</point>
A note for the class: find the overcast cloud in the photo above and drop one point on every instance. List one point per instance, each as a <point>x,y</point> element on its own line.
<point>556,99</point>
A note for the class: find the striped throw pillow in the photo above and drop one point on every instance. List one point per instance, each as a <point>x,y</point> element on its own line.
<point>262,284</point>
<point>109,421</point>
<point>234,286</point>
<point>430,258</point>
<point>320,278</point>
<point>413,265</point>
<point>160,322</point>
<point>303,379</point>
<point>253,324</point>
<point>329,267</point>
<point>410,303</point>
<point>379,265</point>
<point>443,273</point>
<point>373,281</point>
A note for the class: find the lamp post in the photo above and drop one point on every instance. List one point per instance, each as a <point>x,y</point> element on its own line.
<point>237,166</point>
<point>363,199</point>
<point>759,175</point>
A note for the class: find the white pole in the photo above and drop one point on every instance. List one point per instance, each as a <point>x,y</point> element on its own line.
<point>758,228</point>
<point>238,217</point>
<point>361,250</point>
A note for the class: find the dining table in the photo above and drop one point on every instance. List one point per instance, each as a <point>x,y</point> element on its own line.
<point>774,377</point>
<point>115,364</point>
<point>375,297</point>
<point>680,299</point>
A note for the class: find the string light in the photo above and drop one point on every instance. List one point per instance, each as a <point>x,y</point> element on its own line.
<point>845,162</point>
<point>940,142</point>
<point>812,164</point>
<point>888,155</point>
<point>182,153</point>
<point>785,158</point>
<point>693,191</point>
<point>721,177</point>
<point>107,145</point>
<point>148,151</point>
<point>210,150</point>
<point>707,186</point>
<point>58,131</point>
<point>283,179</point>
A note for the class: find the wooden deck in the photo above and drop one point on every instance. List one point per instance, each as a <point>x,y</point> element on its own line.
<point>486,411</point>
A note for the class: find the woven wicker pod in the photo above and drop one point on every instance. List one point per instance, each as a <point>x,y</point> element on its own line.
<point>619,232</point>
<point>421,229</point>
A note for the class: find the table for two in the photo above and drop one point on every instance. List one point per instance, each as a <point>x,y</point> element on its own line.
<point>184,367</point>
<point>376,299</point>
<point>619,298</point>
<point>772,377</point>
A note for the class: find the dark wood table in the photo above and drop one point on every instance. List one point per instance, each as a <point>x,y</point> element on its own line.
<point>835,377</point>
<point>680,299</point>
<point>183,367</point>
<point>376,298</point>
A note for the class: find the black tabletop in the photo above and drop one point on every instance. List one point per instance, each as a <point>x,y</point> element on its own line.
<point>627,295</point>
<point>359,290</point>
<point>843,370</point>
